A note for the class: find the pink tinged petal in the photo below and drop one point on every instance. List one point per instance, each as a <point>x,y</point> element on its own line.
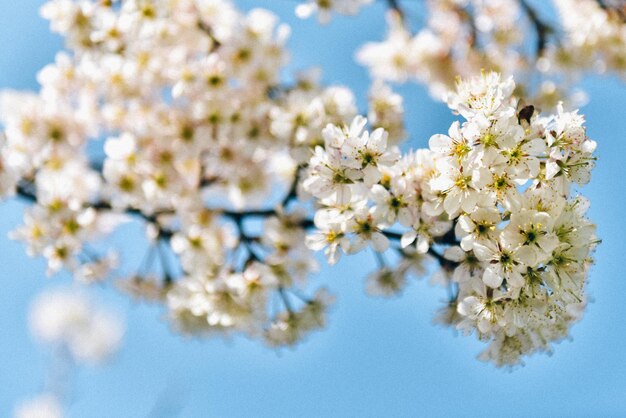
<point>492,279</point>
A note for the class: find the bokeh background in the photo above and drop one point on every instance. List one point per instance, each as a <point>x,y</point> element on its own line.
<point>378,358</point>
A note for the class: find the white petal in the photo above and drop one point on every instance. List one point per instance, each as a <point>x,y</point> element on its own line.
<point>492,278</point>
<point>380,242</point>
<point>408,238</point>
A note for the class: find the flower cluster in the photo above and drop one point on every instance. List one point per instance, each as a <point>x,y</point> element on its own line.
<point>78,332</point>
<point>525,244</point>
<point>172,113</point>
<point>364,188</point>
<point>595,37</point>
<point>494,194</point>
<point>460,38</point>
<point>69,321</point>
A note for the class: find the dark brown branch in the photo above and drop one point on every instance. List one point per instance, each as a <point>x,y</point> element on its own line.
<point>209,31</point>
<point>25,191</point>
<point>395,6</point>
<point>542,28</point>
<point>292,193</point>
<point>619,10</point>
<point>447,239</point>
<point>468,17</point>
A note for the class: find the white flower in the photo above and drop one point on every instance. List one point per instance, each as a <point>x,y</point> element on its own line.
<point>68,319</point>
<point>330,237</point>
<point>532,229</point>
<point>469,266</point>
<point>461,186</point>
<point>386,282</point>
<point>479,225</point>
<point>484,95</point>
<point>42,406</point>
<point>391,206</point>
<point>504,262</point>
<point>367,230</point>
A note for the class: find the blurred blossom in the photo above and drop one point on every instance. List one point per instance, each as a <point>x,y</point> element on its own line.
<point>69,320</point>
<point>239,178</point>
<point>41,406</point>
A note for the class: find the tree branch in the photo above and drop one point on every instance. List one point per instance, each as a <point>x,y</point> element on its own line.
<point>395,6</point>
<point>542,28</point>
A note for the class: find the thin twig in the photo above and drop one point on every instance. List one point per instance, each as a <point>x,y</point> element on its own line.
<point>167,272</point>
<point>395,5</point>
<point>542,28</point>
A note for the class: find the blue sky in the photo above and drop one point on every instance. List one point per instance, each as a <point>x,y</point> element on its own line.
<point>377,357</point>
